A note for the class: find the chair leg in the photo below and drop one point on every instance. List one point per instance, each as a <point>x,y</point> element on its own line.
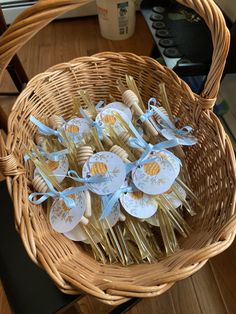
<point>155,53</point>
<point>15,68</point>
<point>9,94</point>
<point>3,120</point>
<point>123,308</point>
<point>17,73</point>
<point>73,306</point>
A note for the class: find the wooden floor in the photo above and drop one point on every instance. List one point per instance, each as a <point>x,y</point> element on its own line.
<point>210,291</point>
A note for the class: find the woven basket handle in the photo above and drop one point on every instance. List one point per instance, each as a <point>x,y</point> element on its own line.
<point>215,21</point>
<point>29,23</point>
<point>25,26</point>
<point>40,14</point>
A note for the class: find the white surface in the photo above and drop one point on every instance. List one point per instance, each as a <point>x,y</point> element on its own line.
<point>11,13</point>
<point>83,126</point>
<point>229,6</point>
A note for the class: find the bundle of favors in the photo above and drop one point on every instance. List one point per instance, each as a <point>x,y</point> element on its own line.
<point>113,176</point>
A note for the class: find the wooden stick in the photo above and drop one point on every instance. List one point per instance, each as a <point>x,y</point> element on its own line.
<point>165,103</point>
<point>132,86</point>
<point>130,99</point>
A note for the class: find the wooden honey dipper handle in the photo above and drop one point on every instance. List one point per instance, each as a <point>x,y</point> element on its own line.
<point>88,210</point>
<point>84,220</point>
<point>39,184</point>
<point>131,100</point>
<point>122,217</point>
<point>119,151</point>
<point>55,122</point>
<point>107,141</point>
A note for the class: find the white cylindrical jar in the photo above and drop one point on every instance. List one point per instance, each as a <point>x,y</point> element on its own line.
<point>116,18</point>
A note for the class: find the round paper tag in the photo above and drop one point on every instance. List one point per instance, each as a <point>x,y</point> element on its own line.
<point>154,221</point>
<point>155,177</point>
<point>64,219</point>
<point>188,139</point>
<point>114,215</point>
<point>77,129</point>
<point>121,107</point>
<point>175,162</point>
<point>173,198</point>
<point>76,234</point>
<point>59,168</point>
<point>108,165</point>
<point>161,121</point>
<point>138,204</point>
<point>107,117</point>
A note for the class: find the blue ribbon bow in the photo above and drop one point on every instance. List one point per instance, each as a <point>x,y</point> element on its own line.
<point>183,131</point>
<point>109,201</point>
<point>139,142</point>
<point>69,202</point>
<point>149,113</point>
<point>148,148</point>
<point>55,156</point>
<point>43,129</point>
<point>99,104</point>
<point>165,121</point>
<point>95,124</point>
<point>93,179</point>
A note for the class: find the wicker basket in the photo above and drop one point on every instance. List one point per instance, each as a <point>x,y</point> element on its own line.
<point>211,162</point>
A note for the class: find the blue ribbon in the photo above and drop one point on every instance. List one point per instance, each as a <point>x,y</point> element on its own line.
<point>99,104</point>
<point>109,201</point>
<point>95,124</point>
<point>138,163</point>
<point>167,122</point>
<point>147,115</point>
<point>55,156</point>
<point>148,148</point>
<point>139,142</point>
<point>93,179</point>
<point>69,202</point>
<point>184,131</point>
<point>43,129</point>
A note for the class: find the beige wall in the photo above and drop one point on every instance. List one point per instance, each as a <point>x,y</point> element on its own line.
<point>229,7</point>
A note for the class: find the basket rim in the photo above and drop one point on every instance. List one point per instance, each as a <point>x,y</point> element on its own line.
<point>102,56</point>
<point>115,293</point>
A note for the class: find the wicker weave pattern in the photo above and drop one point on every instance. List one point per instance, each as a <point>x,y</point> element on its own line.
<point>211,162</point>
